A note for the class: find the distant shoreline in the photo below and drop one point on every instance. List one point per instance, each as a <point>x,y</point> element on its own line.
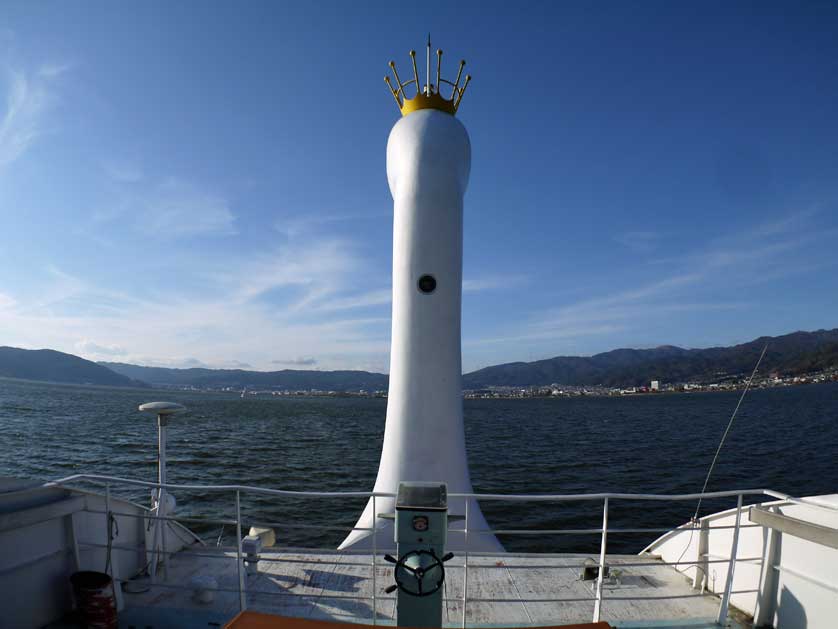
<point>498,393</point>
<point>647,395</point>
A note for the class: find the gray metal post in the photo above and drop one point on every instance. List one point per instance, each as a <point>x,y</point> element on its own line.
<point>374,553</point>
<point>75,540</point>
<point>598,603</point>
<point>162,430</point>
<point>767,595</point>
<point>162,410</point>
<point>702,566</point>
<point>465,567</point>
<point>108,525</point>
<point>161,447</point>
<point>242,594</point>
<point>731,565</point>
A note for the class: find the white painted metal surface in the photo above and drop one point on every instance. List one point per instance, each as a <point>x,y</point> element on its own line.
<point>47,533</point>
<point>783,580</point>
<point>162,408</point>
<point>161,501</point>
<point>428,164</point>
<point>601,573</point>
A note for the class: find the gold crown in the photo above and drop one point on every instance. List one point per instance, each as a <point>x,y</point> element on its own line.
<point>430,95</point>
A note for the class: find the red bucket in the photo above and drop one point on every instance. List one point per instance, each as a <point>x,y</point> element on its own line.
<point>95,599</point>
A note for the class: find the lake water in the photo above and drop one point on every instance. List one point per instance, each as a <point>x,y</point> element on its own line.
<point>783,439</point>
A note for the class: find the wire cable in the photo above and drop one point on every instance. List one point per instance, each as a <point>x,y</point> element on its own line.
<point>694,520</point>
<point>729,425</point>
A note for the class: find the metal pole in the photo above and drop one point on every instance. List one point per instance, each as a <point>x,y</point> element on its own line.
<point>161,493</point>
<point>598,603</point>
<point>374,552</point>
<point>107,526</point>
<point>702,567</point>
<point>428,76</point>
<point>152,569</point>
<point>465,567</point>
<point>161,447</point>
<point>74,529</point>
<point>242,595</point>
<point>107,501</point>
<point>731,565</point>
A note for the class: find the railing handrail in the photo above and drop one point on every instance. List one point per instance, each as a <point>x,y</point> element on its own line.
<point>599,594</point>
<point>249,488</point>
<point>501,497</point>
<point>378,494</point>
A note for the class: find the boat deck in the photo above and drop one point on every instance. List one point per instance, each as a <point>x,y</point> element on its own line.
<point>339,586</point>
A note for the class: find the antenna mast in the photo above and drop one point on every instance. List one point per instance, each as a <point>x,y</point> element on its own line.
<point>428,75</point>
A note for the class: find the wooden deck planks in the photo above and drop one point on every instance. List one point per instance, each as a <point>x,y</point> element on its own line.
<point>538,578</point>
<point>289,584</point>
<point>320,586</point>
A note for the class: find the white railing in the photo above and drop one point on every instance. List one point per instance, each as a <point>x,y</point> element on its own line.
<point>598,595</point>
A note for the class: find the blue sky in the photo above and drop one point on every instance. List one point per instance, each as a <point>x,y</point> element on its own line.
<point>204,184</point>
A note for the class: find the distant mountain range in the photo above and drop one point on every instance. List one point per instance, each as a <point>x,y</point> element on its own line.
<point>53,366</point>
<point>290,379</point>
<point>791,354</point>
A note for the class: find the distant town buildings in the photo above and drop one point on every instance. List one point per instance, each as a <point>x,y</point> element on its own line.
<point>723,382</point>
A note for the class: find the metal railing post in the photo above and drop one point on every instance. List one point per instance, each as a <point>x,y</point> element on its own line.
<point>155,529</point>
<point>702,570</point>
<point>107,504</point>
<point>598,602</point>
<point>731,565</point>
<point>107,525</point>
<point>374,553</point>
<point>465,566</point>
<point>161,513</point>
<point>242,594</point>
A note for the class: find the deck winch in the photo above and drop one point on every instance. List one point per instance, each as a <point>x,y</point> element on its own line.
<point>421,531</point>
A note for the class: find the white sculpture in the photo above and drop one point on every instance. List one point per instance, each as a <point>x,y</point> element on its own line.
<point>428,163</point>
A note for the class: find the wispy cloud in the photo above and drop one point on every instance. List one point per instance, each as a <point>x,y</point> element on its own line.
<point>317,267</point>
<point>213,332</point>
<point>299,296</point>
<point>297,224</point>
<point>583,309</point>
<point>639,241</point>
<point>23,119</point>
<point>6,301</point>
<point>239,364</point>
<point>497,282</point>
<point>88,348</point>
<point>362,300</point>
<point>578,330</point>
<point>741,260</point>
<point>785,224</point>
<point>176,208</point>
<point>296,362</point>
<point>122,171</point>
<point>168,209</point>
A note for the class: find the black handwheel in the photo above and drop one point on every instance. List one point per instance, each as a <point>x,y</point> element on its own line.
<point>415,570</point>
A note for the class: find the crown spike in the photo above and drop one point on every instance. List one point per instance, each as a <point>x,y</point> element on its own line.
<point>396,74</point>
<point>459,74</point>
<point>392,91</point>
<point>462,91</point>
<point>438,65</point>
<point>428,94</point>
<point>415,71</point>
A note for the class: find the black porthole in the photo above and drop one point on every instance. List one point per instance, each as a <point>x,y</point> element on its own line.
<point>427,284</point>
